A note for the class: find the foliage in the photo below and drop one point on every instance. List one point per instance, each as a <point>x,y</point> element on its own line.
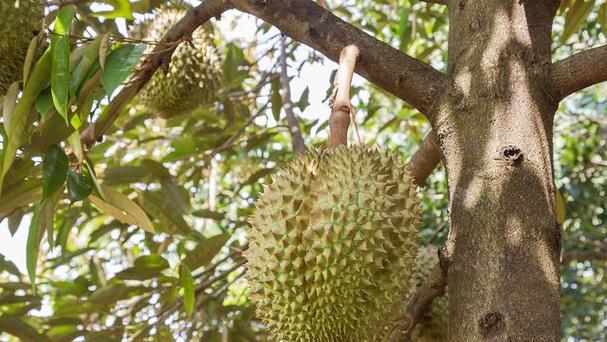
<point>141,236</point>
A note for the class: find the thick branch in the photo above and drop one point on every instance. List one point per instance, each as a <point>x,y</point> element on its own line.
<point>425,160</point>
<point>159,57</point>
<point>297,140</point>
<point>580,70</point>
<point>411,80</point>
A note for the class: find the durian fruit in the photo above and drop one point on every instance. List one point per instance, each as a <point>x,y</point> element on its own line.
<point>194,74</point>
<point>433,327</point>
<point>21,20</point>
<point>333,244</point>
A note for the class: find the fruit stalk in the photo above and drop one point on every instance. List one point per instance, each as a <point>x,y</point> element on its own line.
<point>341,106</point>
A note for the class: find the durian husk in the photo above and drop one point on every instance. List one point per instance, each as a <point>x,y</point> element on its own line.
<point>433,327</point>
<point>194,74</point>
<point>20,22</point>
<point>333,244</point>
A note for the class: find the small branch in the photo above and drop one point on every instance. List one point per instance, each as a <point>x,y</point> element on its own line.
<point>305,21</point>
<point>580,70</point>
<point>425,160</point>
<point>297,140</point>
<point>160,57</point>
<point>440,2</point>
<point>341,109</point>
<point>595,252</point>
<point>419,303</point>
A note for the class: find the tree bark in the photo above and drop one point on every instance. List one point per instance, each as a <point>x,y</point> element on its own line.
<point>494,126</point>
<point>492,116</point>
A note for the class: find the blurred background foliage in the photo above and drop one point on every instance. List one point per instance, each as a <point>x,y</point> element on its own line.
<point>193,179</point>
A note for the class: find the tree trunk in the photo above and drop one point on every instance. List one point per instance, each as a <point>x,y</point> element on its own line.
<point>494,126</point>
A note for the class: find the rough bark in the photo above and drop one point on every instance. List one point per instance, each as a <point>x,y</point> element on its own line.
<point>305,21</point>
<point>580,70</point>
<point>494,126</point>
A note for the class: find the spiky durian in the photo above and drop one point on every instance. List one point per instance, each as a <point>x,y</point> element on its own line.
<point>333,244</point>
<point>433,327</point>
<point>194,74</point>
<point>21,20</point>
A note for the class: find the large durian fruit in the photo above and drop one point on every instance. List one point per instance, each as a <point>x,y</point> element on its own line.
<point>433,327</point>
<point>20,21</point>
<point>333,244</point>
<point>194,74</point>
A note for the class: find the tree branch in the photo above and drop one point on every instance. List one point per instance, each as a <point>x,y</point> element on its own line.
<point>409,79</point>
<point>419,303</point>
<point>297,140</point>
<point>584,256</point>
<point>440,2</point>
<point>159,57</point>
<point>580,70</point>
<point>424,160</point>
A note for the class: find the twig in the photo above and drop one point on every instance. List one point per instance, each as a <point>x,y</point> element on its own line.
<point>341,107</point>
<point>297,140</point>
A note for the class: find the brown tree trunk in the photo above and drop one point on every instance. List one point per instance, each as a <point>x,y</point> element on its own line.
<point>494,126</point>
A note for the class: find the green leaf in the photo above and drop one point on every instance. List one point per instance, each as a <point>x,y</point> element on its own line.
<point>32,49</point>
<point>258,175</point>
<point>187,284</point>
<point>205,251</point>
<point>110,294</point>
<point>119,64</point>
<point>79,186</point>
<point>44,102</point>
<point>8,266</point>
<point>55,168</point>
<point>17,327</point>
<point>33,246</point>
<point>9,102</point>
<point>167,211</point>
<point>60,45</point>
<point>576,15</point>
<point>602,18</point>
<point>20,194</point>
<point>145,267</point>
<point>121,9</point>
<point>304,102</point>
<point>276,99</point>
<point>38,80</point>
<point>121,208</point>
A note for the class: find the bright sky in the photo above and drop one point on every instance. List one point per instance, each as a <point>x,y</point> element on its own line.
<point>314,76</point>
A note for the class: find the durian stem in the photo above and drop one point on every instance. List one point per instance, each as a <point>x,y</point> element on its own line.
<point>342,108</point>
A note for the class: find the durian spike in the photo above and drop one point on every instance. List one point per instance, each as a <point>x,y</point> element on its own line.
<point>341,109</point>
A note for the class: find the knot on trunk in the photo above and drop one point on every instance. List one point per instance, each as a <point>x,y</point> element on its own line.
<point>511,154</point>
<point>491,324</point>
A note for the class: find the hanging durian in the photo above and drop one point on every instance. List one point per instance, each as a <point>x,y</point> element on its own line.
<point>194,74</point>
<point>433,327</point>
<point>333,245</point>
<point>21,20</point>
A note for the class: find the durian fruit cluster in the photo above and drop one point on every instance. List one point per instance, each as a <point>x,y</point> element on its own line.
<point>194,74</point>
<point>433,327</point>
<point>333,246</point>
<point>20,21</point>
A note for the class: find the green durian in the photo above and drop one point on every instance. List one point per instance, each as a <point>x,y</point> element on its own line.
<point>333,244</point>
<point>21,21</point>
<point>433,327</point>
<point>194,74</point>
